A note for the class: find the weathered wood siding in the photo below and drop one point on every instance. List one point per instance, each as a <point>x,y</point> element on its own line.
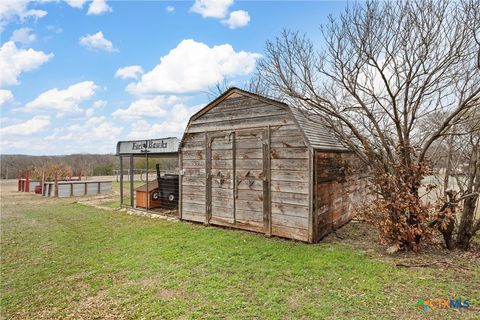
<point>193,206</point>
<point>288,174</point>
<point>340,186</point>
<point>290,190</point>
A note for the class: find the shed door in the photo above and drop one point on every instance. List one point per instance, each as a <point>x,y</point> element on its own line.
<point>220,202</point>
<point>237,184</point>
<point>251,189</point>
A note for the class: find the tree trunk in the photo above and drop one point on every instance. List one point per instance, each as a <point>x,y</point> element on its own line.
<point>466,228</point>
<point>448,167</point>
<point>447,235</point>
<point>465,233</point>
<point>447,232</point>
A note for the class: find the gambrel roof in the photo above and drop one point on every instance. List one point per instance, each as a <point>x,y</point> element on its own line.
<point>315,133</point>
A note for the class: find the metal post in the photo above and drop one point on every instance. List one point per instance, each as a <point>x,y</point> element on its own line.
<point>56,184</point>
<point>131,181</point>
<point>121,181</point>
<point>19,176</point>
<point>148,195</point>
<point>43,183</point>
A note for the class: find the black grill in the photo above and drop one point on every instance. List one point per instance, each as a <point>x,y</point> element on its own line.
<point>167,190</point>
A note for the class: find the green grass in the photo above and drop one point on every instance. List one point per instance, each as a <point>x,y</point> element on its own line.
<point>115,203</point>
<point>63,260</point>
<point>126,185</point>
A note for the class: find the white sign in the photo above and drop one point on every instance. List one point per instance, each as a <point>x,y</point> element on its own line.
<point>165,145</point>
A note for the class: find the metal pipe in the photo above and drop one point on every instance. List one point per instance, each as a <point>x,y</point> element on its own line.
<point>148,195</point>
<point>56,184</point>
<point>121,180</point>
<point>131,182</point>
<point>19,176</point>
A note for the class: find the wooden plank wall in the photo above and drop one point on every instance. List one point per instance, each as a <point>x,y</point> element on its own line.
<point>222,178</point>
<point>289,183</point>
<point>250,198</point>
<point>194,177</point>
<point>340,185</point>
<point>289,162</point>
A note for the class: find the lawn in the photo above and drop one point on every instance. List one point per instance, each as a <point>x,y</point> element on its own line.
<point>61,259</point>
<point>114,201</point>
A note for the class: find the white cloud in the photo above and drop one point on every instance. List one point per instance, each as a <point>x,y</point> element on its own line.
<point>99,104</point>
<point>10,10</point>
<point>96,128</point>
<point>54,29</point>
<point>154,107</point>
<point>4,120</point>
<point>170,9</point>
<point>193,66</point>
<point>23,35</point>
<point>174,124</point>
<point>219,9</point>
<point>14,61</point>
<point>129,72</point>
<point>76,3</point>
<point>98,7</point>
<point>97,42</point>
<point>97,134</point>
<point>6,96</point>
<point>212,8</point>
<point>34,125</point>
<point>237,19</point>
<point>35,14</point>
<point>66,101</point>
<point>89,112</point>
<point>101,134</point>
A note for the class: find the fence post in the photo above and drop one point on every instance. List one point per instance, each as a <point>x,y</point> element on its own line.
<point>132,178</point>
<point>27,180</point>
<point>121,181</point>
<point>56,184</point>
<point>19,177</point>
<point>43,183</point>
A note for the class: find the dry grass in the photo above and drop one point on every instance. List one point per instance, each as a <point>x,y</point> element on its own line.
<point>64,260</point>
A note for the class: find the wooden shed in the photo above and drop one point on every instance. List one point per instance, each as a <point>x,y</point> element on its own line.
<point>144,196</point>
<point>253,163</point>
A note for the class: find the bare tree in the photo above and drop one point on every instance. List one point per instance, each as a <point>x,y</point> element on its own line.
<point>463,154</point>
<point>470,221</point>
<point>218,89</point>
<point>382,68</point>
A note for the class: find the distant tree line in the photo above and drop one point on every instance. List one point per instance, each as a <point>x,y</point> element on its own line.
<point>88,164</point>
<point>165,164</point>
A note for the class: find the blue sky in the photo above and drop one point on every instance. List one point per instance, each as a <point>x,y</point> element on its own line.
<point>76,76</point>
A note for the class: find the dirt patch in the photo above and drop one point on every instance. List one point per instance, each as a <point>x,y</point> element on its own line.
<point>360,235</point>
<point>156,284</point>
<point>99,306</point>
<point>12,198</point>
